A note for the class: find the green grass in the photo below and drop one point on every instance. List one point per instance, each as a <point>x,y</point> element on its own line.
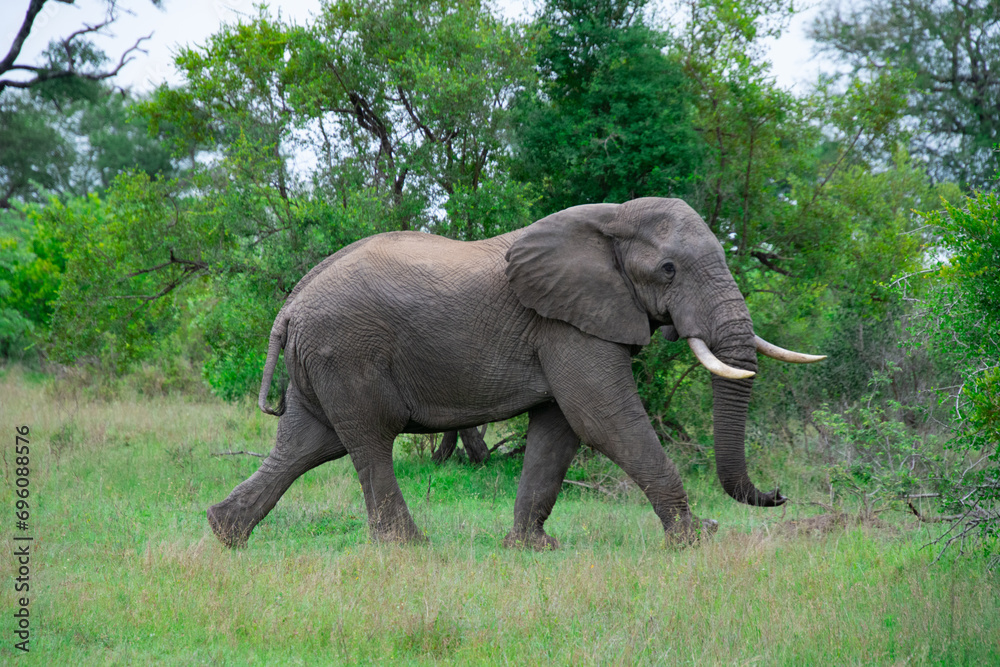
<point>126,571</point>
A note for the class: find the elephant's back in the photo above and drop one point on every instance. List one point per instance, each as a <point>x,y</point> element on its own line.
<point>403,266</point>
<point>411,285</point>
<point>433,318</point>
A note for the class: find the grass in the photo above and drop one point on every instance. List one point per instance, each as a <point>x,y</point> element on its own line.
<point>125,569</point>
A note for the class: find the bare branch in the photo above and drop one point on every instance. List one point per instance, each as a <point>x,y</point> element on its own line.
<point>509,438</point>
<point>46,74</point>
<point>149,270</point>
<point>7,63</point>
<point>190,266</point>
<point>239,453</point>
<point>932,519</point>
<point>910,275</point>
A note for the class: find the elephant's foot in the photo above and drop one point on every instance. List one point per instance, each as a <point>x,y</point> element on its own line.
<point>231,527</point>
<point>538,540</point>
<point>687,533</point>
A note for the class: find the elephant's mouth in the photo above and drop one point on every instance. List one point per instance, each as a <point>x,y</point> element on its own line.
<point>669,331</point>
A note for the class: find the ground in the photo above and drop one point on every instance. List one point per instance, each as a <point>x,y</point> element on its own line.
<point>125,569</point>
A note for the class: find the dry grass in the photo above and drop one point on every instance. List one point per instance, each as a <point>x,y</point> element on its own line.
<point>128,571</point>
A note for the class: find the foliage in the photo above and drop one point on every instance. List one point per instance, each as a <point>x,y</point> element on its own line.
<point>423,108</point>
<point>952,50</point>
<point>611,118</point>
<point>72,148</point>
<point>965,310</point>
<point>32,260</point>
<point>32,154</point>
<point>874,237</point>
<point>755,134</point>
<point>775,162</point>
<point>123,255</point>
<point>116,141</point>
<point>883,457</point>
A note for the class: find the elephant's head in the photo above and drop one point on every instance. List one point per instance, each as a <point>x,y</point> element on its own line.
<point>618,271</point>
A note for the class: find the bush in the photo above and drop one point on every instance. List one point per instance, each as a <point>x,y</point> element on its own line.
<point>32,262</point>
<point>881,458</point>
<point>967,306</point>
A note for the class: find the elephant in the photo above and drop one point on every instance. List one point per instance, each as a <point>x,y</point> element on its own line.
<point>407,332</point>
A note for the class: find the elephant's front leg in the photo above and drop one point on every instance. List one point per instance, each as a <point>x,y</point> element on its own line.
<point>550,449</point>
<point>592,381</point>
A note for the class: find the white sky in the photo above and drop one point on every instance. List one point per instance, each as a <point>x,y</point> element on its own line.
<point>181,22</point>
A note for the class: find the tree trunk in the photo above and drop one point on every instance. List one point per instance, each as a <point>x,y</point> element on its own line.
<point>449,440</point>
<point>475,444</point>
<point>472,441</point>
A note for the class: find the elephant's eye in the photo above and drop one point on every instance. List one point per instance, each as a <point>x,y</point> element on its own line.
<point>668,268</point>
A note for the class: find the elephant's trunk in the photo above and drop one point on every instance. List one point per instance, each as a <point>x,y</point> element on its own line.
<point>731,398</point>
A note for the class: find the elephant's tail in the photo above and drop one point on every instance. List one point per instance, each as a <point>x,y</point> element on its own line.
<point>279,335</point>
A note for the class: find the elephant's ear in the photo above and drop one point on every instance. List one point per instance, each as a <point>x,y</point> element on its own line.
<point>564,267</point>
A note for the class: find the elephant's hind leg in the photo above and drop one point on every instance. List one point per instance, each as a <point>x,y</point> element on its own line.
<point>549,452</point>
<point>303,443</point>
<point>371,453</point>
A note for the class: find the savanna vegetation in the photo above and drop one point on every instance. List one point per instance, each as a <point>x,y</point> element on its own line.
<point>147,241</point>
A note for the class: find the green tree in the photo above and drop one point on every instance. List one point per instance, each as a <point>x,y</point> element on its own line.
<point>73,148</point>
<point>32,260</point>
<point>811,200</point>
<point>419,94</point>
<point>110,307</point>
<point>611,118</point>
<point>33,154</point>
<point>49,151</point>
<point>952,50</point>
<point>117,141</point>
<point>299,141</point>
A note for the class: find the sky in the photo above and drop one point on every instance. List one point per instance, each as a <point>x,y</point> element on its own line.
<point>191,22</point>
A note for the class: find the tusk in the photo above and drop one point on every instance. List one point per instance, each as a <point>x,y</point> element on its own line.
<point>782,354</point>
<point>712,363</point>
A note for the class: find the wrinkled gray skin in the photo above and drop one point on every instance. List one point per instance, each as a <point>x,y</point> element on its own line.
<point>407,332</point>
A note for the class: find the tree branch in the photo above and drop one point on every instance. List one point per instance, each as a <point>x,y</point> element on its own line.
<point>932,519</point>
<point>765,259</point>
<point>47,74</point>
<point>241,452</point>
<point>509,438</point>
<point>426,131</point>
<point>34,7</point>
<point>190,264</point>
